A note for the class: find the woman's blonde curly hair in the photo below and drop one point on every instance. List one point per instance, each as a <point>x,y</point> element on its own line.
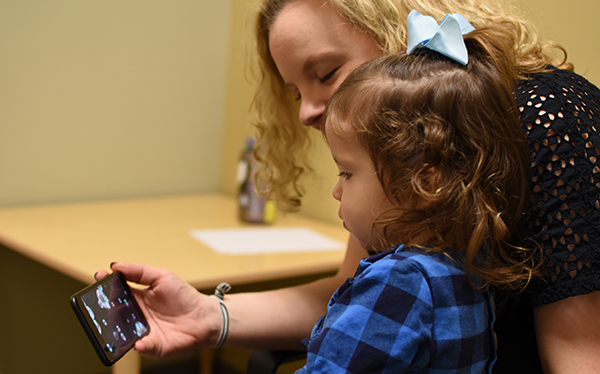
<point>282,141</point>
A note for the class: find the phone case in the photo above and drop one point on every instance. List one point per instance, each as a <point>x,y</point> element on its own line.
<point>110,316</point>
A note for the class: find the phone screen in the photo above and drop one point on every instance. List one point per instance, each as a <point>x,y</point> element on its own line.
<point>110,316</point>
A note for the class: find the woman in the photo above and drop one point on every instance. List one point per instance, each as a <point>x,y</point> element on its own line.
<point>307,48</point>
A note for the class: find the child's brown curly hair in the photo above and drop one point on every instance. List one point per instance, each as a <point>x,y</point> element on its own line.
<point>450,136</point>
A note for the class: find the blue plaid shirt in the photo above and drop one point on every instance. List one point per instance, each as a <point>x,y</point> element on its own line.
<point>404,311</point>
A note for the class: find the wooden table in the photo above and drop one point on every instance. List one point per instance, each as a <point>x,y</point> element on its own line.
<point>79,239</point>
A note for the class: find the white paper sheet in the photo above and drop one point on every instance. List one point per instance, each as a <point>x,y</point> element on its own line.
<point>258,240</point>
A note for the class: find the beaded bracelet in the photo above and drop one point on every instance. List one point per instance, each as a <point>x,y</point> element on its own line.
<point>219,294</point>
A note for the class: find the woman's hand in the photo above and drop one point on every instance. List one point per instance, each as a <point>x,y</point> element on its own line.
<point>180,317</point>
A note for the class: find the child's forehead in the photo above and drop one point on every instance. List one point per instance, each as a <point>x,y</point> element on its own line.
<point>341,129</point>
<point>345,147</point>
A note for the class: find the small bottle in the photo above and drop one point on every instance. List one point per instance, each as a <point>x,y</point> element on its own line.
<point>253,207</point>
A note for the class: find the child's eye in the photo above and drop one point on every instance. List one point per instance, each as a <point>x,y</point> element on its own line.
<point>328,76</point>
<point>344,175</point>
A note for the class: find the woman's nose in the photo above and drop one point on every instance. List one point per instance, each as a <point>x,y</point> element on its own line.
<point>311,112</point>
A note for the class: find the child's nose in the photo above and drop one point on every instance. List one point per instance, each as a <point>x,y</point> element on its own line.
<point>337,192</point>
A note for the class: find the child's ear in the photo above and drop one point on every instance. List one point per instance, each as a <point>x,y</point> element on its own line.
<point>429,183</point>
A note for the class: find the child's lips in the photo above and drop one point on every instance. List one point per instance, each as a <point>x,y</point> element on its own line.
<point>343,222</point>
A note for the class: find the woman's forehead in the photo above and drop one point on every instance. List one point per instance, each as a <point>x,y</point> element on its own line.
<point>310,20</point>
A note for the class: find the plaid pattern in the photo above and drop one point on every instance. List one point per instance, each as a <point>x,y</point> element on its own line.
<point>404,311</point>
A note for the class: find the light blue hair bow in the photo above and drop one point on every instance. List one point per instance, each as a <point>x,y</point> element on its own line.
<point>446,38</point>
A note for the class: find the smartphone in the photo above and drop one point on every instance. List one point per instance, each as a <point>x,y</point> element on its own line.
<point>110,316</point>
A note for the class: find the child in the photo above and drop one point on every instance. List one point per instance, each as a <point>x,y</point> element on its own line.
<point>433,165</point>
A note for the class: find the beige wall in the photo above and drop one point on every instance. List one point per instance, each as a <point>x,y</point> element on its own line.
<point>110,99</point>
<point>238,92</point>
<point>115,99</point>
<point>574,24</point>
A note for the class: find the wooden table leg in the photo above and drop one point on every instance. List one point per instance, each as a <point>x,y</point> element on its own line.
<point>131,363</point>
<point>207,358</point>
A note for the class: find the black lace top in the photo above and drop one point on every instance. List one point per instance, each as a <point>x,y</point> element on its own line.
<point>561,116</point>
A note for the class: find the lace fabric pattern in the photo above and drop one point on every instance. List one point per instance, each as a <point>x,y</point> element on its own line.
<point>560,111</point>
